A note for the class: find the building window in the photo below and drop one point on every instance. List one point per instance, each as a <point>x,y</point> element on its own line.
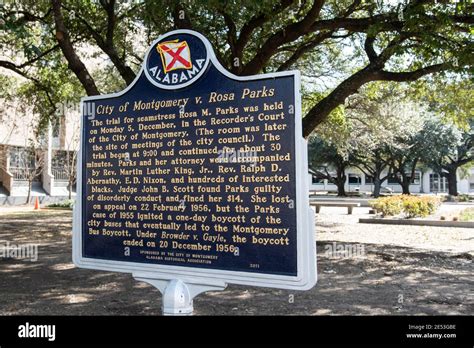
<point>333,180</point>
<point>471,182</point>
<point>25,164</point>
<point>355,179</point>
<point>317,181</point>
<point>416,180</point>
<point>20,157</point>
<point>391,180</point>
<point>438,183</point>
<point>55,128</point>
<point>369,179</point>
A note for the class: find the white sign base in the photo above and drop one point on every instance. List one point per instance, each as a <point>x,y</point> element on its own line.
<point>177,295</point>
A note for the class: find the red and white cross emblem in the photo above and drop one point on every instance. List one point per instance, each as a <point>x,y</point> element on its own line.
<point>175,55</point>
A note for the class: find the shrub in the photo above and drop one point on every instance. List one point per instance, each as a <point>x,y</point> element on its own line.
<point>467,214</point>
<point>388,206</point>
<point>411,206</point>
<point>464,198</point>
<point>68,203</point>
<point>415,207</point>
<point>433,203</point>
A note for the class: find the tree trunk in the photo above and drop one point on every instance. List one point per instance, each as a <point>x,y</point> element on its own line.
<point>405,184</point>
<point>69,187</point>
<point>340,180</point>
<point>452,182</point>
<point>28,196</point>
<point>341,190</point>
<point>377,187</point>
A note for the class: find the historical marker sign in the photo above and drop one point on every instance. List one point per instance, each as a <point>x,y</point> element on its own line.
<point>193,173</point>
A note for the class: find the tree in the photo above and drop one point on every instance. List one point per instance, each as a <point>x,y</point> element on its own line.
<point>31,163</point>
<point>450,148</point>
<point>374,166</point>
<point>452,100</point>
<point>327,163</point>
<point>450,132</point>
<point>406,155</point>
<point>389,41</point>
<point>403,163</point>
<point>72,150</point>
<point>375,122</point>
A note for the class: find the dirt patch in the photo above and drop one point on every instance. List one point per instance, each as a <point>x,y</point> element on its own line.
<point>386,278</point>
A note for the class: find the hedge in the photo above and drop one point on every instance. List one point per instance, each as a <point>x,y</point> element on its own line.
<point>411,206</point>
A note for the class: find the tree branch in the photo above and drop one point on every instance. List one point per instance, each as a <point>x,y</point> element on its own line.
<point>287,34</point>
<point>231,39</point>
<point>255,22</point>
<point>107,45</point>
<point>28,17</point>
<point>75,63</point>
<point>372,72</point>
<point>8,65</point>
<point>385,23</point>
<point>181,23</point>
<point>317,40</point>
<point>369,48</point>
<point>109,7</point>
<point>322,109</point>
<point>410,75</point>
<point>17,69</point>
<point>304,49</point>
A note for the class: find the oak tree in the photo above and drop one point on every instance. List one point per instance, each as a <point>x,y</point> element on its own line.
<point>378,40</point>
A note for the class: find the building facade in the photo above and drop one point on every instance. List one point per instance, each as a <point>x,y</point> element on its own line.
<point>45,161</point>
<point>425,181</point>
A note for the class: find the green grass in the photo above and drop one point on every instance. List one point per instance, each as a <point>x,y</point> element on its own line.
<point>467,215</point>
<point>67,204</point>
<point>43,213</point>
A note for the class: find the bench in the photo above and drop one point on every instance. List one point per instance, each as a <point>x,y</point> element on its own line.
<point>349,205</point>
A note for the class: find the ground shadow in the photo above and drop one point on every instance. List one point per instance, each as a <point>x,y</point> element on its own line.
<point>384,279</point>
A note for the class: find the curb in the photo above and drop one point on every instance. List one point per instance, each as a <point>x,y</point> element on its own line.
<point>438,223</point>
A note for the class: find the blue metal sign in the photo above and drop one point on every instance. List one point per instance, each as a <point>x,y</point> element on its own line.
<point>194,172</point>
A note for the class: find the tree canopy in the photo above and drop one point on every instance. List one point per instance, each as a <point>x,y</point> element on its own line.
<point>450,148</point>
<point>387,131</point>
<point>65,48</point>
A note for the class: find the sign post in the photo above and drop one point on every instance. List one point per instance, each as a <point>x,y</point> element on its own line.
<point>193,178</point>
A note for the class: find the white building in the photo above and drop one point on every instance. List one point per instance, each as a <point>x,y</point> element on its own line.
<point>425,181</point>
<point>46,159</point>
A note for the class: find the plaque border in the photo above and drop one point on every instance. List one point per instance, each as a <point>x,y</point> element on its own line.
<point>180,85</point>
